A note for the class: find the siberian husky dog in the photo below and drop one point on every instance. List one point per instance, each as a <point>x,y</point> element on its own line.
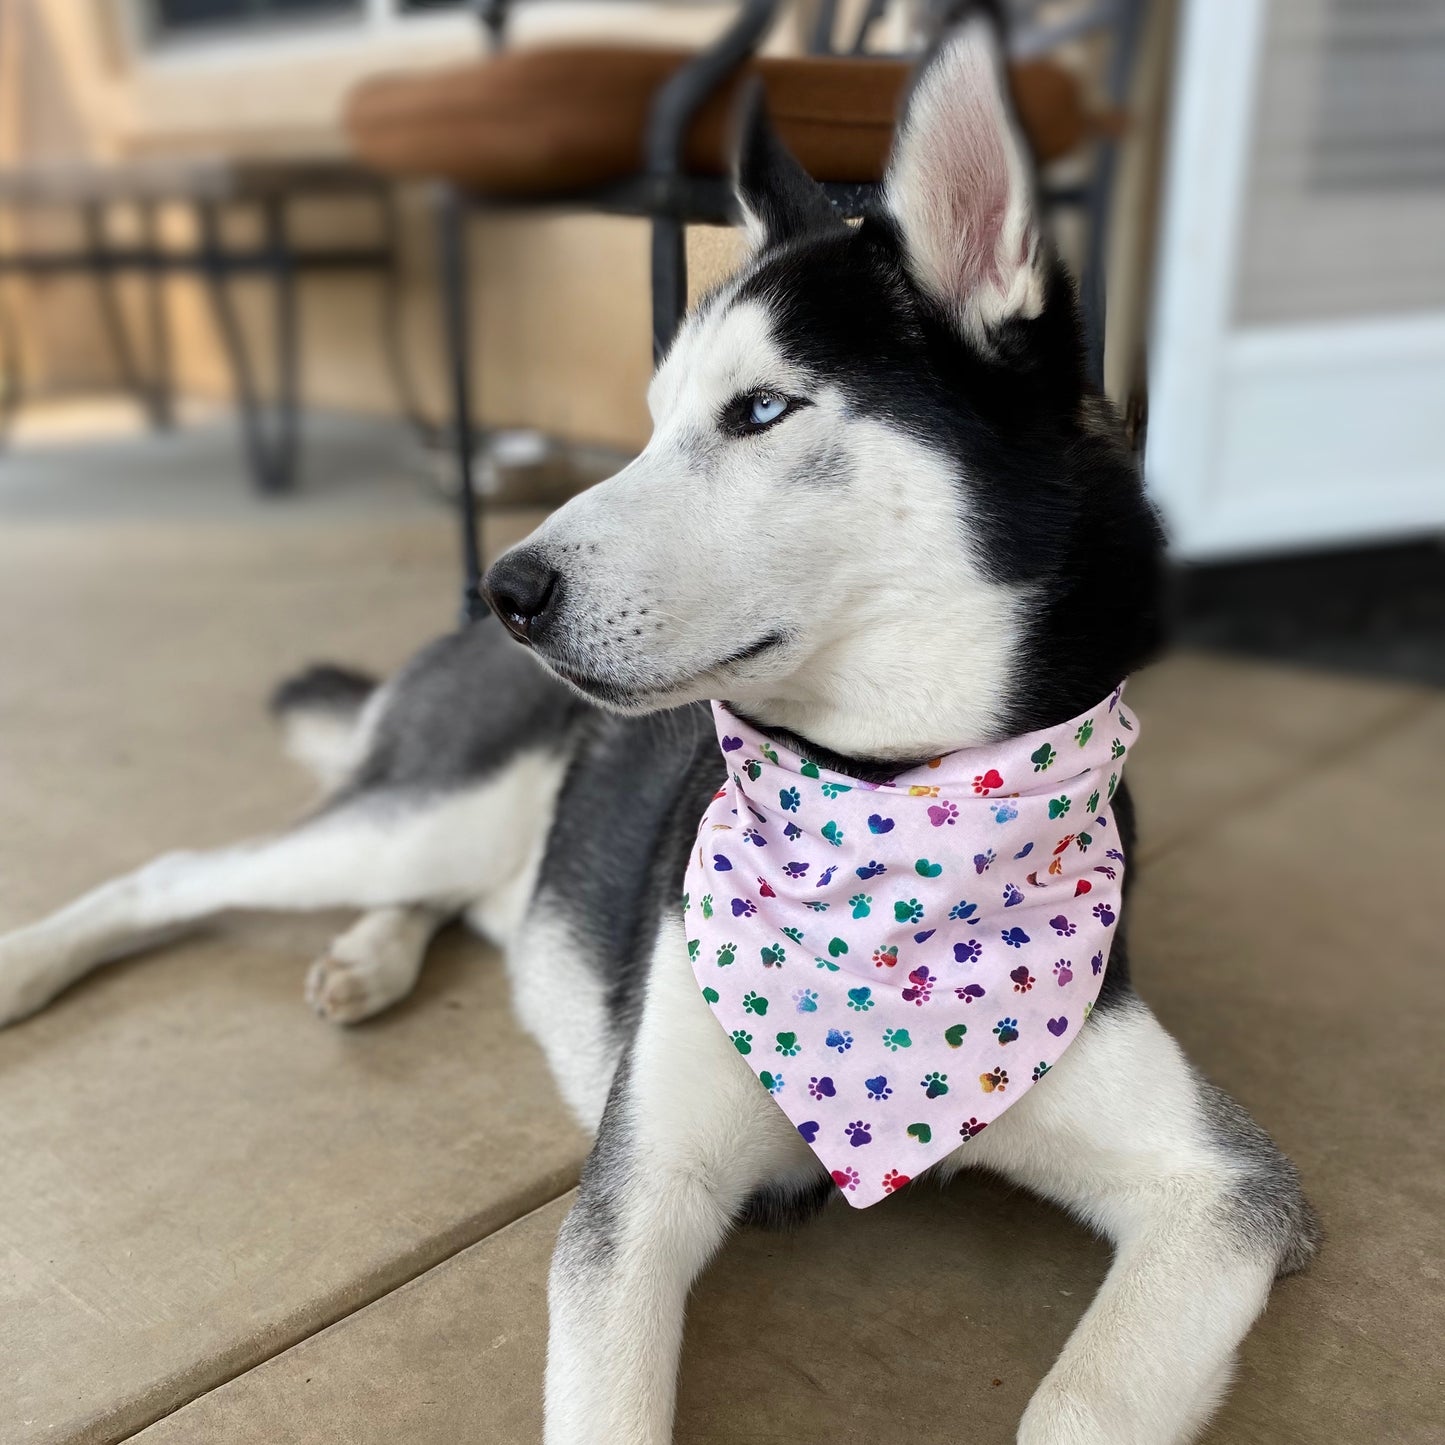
<point>881,511</point>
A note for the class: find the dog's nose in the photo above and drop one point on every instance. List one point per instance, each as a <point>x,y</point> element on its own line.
<point>519,588</point>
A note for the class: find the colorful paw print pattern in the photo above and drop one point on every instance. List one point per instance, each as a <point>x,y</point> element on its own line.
<point>921,951</point>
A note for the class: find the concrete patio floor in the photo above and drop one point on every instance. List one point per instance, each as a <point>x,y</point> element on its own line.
<point>222,1220</point>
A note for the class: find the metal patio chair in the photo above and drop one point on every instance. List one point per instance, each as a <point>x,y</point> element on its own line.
<point>643,132</point>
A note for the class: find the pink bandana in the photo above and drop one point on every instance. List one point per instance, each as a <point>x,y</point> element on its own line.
<point>899,962</point>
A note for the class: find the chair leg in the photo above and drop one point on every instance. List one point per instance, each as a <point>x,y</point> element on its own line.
<point>272,469</point>
<point>669,282</point>
<point>286,441</point>
<point>452,246</point>
<point>393,331</point>
<point>162,398</point>
<point>112,314</point>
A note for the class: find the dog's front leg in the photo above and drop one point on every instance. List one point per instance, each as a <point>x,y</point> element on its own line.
<point>687,1135</point>
<point>1203,1210</point>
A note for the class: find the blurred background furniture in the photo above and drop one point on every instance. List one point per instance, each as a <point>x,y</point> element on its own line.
<point>645,132</point>
<point>270,432</point>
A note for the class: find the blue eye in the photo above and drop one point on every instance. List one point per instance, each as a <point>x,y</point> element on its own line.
<point>765,407</point>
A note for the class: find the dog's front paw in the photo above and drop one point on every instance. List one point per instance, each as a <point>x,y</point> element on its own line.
<point>346,991</point>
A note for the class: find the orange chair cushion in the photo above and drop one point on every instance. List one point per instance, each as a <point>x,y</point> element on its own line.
<point>533,123</point>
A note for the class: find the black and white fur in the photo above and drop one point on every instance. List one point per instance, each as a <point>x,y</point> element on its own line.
<point>940,540</point>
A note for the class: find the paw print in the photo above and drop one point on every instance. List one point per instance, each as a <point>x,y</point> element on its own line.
<point>896,1039</point>
<point>772,1082</point>
<point>805,1000</point>
<point>1007,1030</point>
<point>1096,964</point>
<point>840,1039</point>
<point>962,911</point>
<point>1116,749</point>
<point>893,1181</point>
<point>1042,757</point>
<point>789,798</point>
<point>1092,804</point>
<point>1040,1069</point>
<point>796,934</point>
<point>707,905</point>
<point>986,782</point>
<point>861,904</point>
<point>1023,979</point>
<point>833,833</point>
<point>970,993</point>
<point>787,1045</point>
<point>726,953</point>
<point>1012,895</point>
<point>934,1084</point>
<point>744,908</point>
<point>860,1000</point>
<point>1063,972</point>
<point>1103,913</point>
<point>944,814</point>
<point>751,835</point>
<point>1014,937</point>
<point>969,952</point>
<point>971,1127</point>
<point>773,956</point>
<point>920,986</point>
<point>1004,812</point>
<point>794,869</point>
<point>908,911</point>
<point>995,1079</point>
<point>826,877</point>
<point>755,1003</point>
<point>885,957</point>
<point>984,860</point>
<point>742,1041</point>
<point>816,906</point>
<point>821,1087</point>
<point>1084,731</point>
<point>686,901</point>
<point>1110,873</point>
<point>693,944</point>
<point>858,1133</point>
<point>831,790</point>
<point>1113,783</point>
<point>845,1178</point>
<point>878,1088</point>
<point>871,869</point>
<point>1062,926</point>
<point>1060,805</point>
<point>1115,854</point>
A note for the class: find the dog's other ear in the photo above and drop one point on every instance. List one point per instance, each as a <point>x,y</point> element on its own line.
<point>779,200</point>
<point>960,187</point>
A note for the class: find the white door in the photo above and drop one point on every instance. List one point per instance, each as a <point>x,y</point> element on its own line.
<point>1297,356</point>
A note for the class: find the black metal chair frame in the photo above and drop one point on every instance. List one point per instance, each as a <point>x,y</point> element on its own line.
<point>672,199</point>
<point>270,432</point>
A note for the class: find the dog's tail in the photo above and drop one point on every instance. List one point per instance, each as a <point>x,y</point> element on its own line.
<point>319,710</point>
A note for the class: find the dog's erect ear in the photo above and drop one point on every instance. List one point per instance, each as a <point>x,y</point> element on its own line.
<point>779,200</point>
<point>960,187</point>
